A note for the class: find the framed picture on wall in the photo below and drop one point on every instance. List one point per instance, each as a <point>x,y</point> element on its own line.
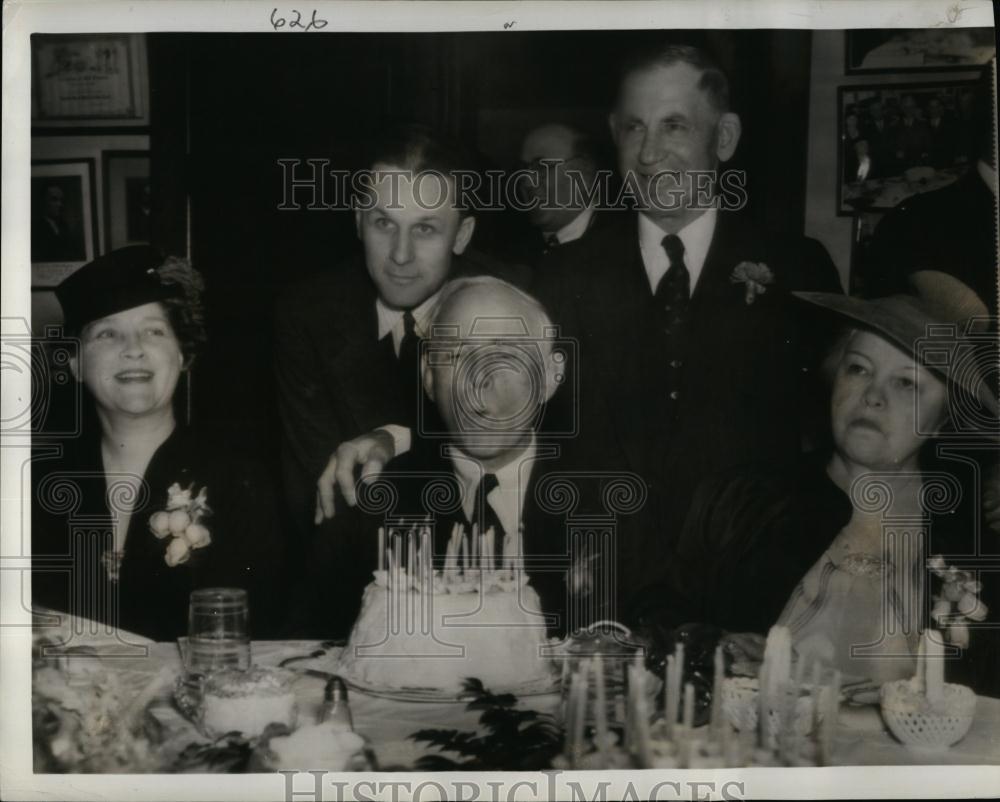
<point>900,139</point>
<point>63,218</point>
<point>86,80</point>
<point>878,50</point>
<point>126,198</point>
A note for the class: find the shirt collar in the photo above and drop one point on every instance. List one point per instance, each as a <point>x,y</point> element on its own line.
<point>576,227</point>
<point>507,500</point>
<point>696,236</point>
<point>391,320</point>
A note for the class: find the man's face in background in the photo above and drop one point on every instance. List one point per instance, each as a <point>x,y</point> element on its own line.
<point>553,185</point>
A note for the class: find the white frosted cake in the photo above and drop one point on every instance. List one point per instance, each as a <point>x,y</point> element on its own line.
<point>435,634</point>
<point>247,701</point>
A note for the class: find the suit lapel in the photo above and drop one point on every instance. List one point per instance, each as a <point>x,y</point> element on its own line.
<point>360,358</point>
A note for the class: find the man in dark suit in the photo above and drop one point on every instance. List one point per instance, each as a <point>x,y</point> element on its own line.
<point>347,340</point>
<point>693,357</point>
<point>560,183</point>
<point>490,365</point>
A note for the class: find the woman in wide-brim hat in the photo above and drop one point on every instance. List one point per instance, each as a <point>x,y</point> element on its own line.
<point>820,549</point>
<point>138,510</point>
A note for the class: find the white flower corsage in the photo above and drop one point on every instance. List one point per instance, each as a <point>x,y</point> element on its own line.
<point>957,603</point>
<point>182,522</point>
<point>756,276</point>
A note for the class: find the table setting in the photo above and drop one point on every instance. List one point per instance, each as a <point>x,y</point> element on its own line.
<point>217,701</point>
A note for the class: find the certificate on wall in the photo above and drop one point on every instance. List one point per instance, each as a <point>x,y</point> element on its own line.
<point>89,79</point>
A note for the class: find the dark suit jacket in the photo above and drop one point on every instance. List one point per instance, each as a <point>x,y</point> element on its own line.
<point>335,379</point>
<point>344,551</point>
<point>951,230</point>
<point>741,371</point>
<point>533,248</point>
<point>70,530</point>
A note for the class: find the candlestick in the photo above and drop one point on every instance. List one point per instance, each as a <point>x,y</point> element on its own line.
<point>570,719</point>
<point>921,676</point>
<point>411,551</point>
<point>580,718</point>
<point>601,717</point>
<point>669,702</point>
<point>717,680</point>
<point>425,541</point>
<point>935,667</point>
<point>678,677</point>
<point>688,706</point>
<point>641,731</point>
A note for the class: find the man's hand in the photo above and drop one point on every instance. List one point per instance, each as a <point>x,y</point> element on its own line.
<point>369,451</point>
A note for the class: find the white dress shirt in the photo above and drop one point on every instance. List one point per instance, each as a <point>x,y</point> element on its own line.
<point>696,237</point>
<point>391,320</point>
<point>507,498</point>
<point>576,227</point>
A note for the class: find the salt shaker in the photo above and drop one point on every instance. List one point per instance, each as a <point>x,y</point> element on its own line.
<point>335,708</point>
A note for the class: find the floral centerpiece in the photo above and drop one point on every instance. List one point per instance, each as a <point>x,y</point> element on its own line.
<point>84,719</point>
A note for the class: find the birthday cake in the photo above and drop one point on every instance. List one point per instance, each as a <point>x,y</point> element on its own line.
<point>422,629</point>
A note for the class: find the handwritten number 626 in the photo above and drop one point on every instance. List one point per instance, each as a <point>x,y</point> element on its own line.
<point>296,21</point>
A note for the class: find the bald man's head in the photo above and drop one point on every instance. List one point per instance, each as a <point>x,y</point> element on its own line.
<point>489,366</point>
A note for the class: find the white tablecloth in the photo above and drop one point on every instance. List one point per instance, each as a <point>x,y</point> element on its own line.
<point>861,740</point>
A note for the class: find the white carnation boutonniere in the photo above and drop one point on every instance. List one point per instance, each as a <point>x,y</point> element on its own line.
<point>182,522</point>
<point>957,601</point>
<point>755,276</point>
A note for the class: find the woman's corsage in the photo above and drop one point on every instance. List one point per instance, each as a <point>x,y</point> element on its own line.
<point>182,522</point>
<point>756,276</point>
<point>957,601</point>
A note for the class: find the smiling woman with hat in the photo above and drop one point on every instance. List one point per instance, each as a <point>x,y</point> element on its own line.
<point>821,550</point>
<point>137,511</point>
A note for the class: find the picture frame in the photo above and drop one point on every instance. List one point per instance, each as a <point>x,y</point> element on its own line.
<point>63,218</point>
<point>126,192</point>
<point>898,140</point>
<point>89,80</point>
<point>894,50</point>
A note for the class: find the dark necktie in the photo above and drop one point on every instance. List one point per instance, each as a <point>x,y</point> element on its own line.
<point>409,360</point>
<point>483,512</point>
<point>673,293</point>
<point>551,241</point>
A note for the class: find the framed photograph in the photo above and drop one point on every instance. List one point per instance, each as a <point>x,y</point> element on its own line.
<point>87,80</point>
<point>898,140</point>
<point>126,198</point>
<point>878,50</point>
<point>63,218</point>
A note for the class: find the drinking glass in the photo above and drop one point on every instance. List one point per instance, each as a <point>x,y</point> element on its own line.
<point>218,633</point>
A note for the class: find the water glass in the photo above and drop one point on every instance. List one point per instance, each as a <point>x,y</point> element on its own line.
<point>218,632</point>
